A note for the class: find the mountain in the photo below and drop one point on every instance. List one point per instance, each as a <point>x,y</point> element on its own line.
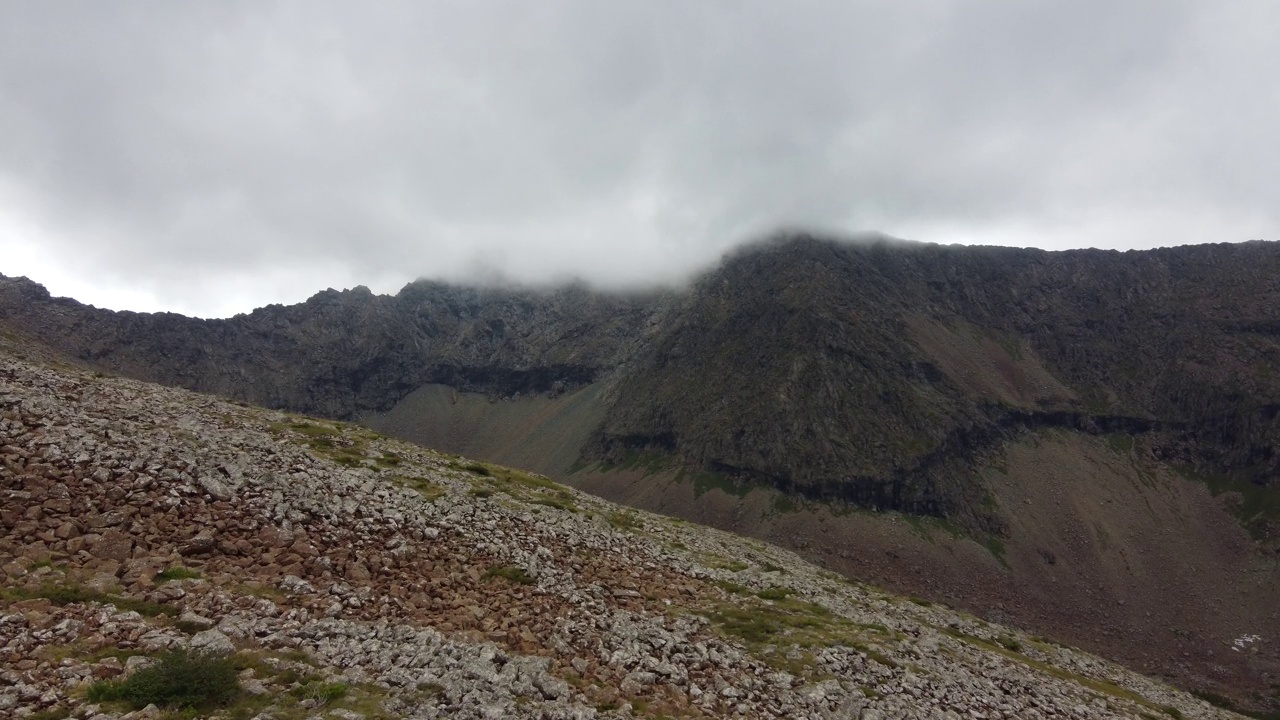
<point>1081,442</point>
<point>161,546</point>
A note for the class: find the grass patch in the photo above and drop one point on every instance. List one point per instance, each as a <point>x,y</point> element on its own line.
<point>995,546</point>
<point>513,574</point>
<point>1104,687</point>
<point>321,693</point>
<point>1120,443</point>
<point>176,572</point>
<point>785,504</point>
<point>520,485</point>
<point>779,631</point>
<point>1009,642</point>
<point>57,712</point>
<point>388,460</point>
<point>625,521</point>
<point>559,503</point>
<point>430,491</point>
<point>775,593</point>
<point>732,588</point>
<point>705,482</point>
<point>474,468</point>
<point>71,594</point>
<point>259,590</point>
<point>178,680</point>
<point>1256,506</point>
<point>759,625</point>
<point>723,563</point>
<point>330,440</point>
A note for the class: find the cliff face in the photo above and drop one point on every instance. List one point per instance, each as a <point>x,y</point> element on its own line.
<point>871,373</point>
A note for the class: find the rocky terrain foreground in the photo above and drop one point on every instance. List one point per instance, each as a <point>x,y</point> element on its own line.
<point>347,575</point>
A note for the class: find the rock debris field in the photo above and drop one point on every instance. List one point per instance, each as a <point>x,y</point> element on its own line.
<point>346,575</point>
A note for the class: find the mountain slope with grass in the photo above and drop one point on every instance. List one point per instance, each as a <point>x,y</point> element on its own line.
<point>1082,442</point>
<point>215,559</point>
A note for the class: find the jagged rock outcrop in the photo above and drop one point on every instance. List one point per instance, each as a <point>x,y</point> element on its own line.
<point>340,353</point>
<point>353,576</point>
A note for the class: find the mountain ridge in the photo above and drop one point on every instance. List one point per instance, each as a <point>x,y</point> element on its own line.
<point>807,382</point>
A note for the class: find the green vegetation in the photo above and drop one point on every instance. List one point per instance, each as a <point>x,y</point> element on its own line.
<point>625,521</point>
<point>1257,506</point>
<point>1120,443</point>
<point>1010,648</point>
<point>651,463</point>
<point>522,486</point>
<point>785,504</point>
<point>731,587</point>
<point>176,572</point>
<point>321,693</point>
<point>559,503</point>
<point>775,593</point>
<point>344,445</point>
<point>57,712</point>
<point>1009,642</point>
<point>179,680</point>
<point>759,624</point>
<point>258,589</point>
<point>388,460</point>
<point>513,574</point>
<point>705,482</point>
<point>430,491</point>
<point>995,546</point>
<point>69,594</point>
<point>781,630</point>
<point>723,563</point>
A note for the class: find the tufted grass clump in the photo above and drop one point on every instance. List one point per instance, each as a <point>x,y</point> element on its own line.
<point>177,572</point>
<point>625,521</point>
<point>321,693</point>
<point>180,680</point>
<point>429,490</point>
<point>69,594</point>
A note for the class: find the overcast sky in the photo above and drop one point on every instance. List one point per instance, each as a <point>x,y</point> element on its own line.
<point>208,158</point>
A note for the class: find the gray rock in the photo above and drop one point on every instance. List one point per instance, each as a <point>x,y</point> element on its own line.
<point>216,488</point>
<point>193,619</point>
<point>211,642</point>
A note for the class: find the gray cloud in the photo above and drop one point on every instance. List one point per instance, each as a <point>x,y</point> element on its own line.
<point>212,157</point>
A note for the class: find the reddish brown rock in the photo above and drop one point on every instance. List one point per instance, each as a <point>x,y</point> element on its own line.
<point>114,545</point>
